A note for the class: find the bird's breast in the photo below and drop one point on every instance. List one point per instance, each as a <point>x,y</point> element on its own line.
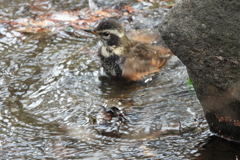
<point>112,65</point>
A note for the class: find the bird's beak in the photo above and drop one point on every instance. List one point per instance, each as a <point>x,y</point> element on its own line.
<point>91,31</point>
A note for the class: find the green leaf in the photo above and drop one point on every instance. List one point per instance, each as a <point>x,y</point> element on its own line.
<point>190,86</point>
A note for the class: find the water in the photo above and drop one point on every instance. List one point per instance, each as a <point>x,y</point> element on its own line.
<point>52,85</point>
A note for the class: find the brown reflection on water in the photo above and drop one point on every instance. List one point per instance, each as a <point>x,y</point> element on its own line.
<point>217,148</point>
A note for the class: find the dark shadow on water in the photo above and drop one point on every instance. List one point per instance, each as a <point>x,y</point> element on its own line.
<point>112,87</point>
<point>218,148</point>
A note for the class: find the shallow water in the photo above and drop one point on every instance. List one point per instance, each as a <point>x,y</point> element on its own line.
<point>52,84</point>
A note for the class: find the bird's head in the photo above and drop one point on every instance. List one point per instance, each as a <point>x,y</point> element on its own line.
<point>111,33</point>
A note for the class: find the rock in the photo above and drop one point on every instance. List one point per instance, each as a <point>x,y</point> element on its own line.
<point>205,35</point>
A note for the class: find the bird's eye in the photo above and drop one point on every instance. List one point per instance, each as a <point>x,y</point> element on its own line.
<point>105,34</point>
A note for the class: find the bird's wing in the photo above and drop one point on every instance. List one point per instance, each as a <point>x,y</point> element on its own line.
<point>142,61</point>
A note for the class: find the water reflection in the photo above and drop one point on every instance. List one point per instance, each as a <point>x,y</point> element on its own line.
<point>217,148</point>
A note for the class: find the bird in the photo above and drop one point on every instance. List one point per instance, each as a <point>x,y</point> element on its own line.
<point>124,58</point>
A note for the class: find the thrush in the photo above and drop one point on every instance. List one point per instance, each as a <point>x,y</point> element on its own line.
<point>125,58</point>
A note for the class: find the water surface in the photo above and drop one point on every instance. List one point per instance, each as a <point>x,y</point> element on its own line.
<point>52,84</point>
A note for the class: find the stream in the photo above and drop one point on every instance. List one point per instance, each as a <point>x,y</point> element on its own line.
<point>52,88</point>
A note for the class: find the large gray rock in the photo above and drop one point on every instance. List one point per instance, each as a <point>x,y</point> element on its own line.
<point>205,35</point>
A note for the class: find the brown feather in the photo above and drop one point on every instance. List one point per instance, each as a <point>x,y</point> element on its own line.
<point>125,58</point>
<point>142,60</point>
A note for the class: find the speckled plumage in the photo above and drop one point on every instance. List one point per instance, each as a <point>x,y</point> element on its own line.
<point>124,58</point>
<point>112,65</point>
